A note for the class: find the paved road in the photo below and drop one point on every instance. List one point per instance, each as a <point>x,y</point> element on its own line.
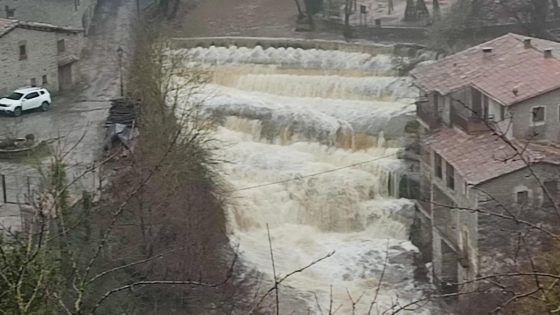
<point>78,116</point>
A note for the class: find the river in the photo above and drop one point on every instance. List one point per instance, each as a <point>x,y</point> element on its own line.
<point>311,138</point>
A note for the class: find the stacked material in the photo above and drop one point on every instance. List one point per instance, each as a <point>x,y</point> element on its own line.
<point>122,112</point>
<point>120,123</point>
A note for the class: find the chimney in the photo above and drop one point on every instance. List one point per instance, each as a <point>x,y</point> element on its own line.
<point>548,52</point>
<point>527,43</point>
<point>486,50</point>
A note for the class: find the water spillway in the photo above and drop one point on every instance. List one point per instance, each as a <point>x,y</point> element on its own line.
<point>311,138</point>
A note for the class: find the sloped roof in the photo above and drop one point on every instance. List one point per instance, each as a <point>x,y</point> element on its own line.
<point>7,25</point>
<point>482,157</point>
<point>510,73</point>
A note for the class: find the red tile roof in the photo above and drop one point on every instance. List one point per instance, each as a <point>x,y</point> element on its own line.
<point>7,25</point>
<point>481,157</point>
<point>510,73</point>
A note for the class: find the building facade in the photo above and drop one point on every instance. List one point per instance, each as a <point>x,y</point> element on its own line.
<point>38,54</point>
<point>490,156</point>
<point>66,13</point>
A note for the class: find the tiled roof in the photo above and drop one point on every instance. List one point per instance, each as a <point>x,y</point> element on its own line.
<point>510,73</point>
<point>6,25</point>
<point>481,157</point>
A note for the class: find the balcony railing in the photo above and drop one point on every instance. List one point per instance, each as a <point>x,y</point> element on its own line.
<point>428,117</point>
<point>471,124</point>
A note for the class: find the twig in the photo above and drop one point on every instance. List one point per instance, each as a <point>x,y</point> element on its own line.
<point>273,270</point>
<point>380,278</point>
<point>288,276</point>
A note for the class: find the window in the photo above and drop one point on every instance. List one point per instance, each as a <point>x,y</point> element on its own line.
<point>465,248</point>
<point>538,114</point>
<point>22,52</point>
<point>522,197</point>
<point>437,165</point>
<point>32,95</point>
<point>45,80</point>
<point>10,12</point>
<point>33,82</point>
<point>14,96</point>
<point>479,104</point>
<point>502,112</point>
<point>450,176</point>
<point>61,45</point>
<point>552,188</point>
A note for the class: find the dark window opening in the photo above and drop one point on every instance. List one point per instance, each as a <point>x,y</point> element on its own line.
<point>45,80</point>
<point>438,165</point>
<point>450,176</point>
<point>10,12</point>
<point>538,114</point>
<point>22,52</point>
<point>522,197</point>
<point>465,250</point>
<point>552,188</point>
<point>61,45</point>
<point>502,112</point>
<point>33,82</point>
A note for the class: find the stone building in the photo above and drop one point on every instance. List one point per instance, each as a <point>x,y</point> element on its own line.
<point>67,13</point>
<point>490,155</point>
<point>38,54</point>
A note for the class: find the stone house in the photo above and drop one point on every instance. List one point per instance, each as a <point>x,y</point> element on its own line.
<point>76,14</point>
<point>38,54</point>
<point>489,156</point>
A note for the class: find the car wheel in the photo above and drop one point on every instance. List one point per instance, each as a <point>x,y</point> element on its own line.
<point>17,111</point>
<point>45,106</point>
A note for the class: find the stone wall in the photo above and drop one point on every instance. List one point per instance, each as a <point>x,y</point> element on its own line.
<point>498,239</point>
<point>42,58</point>
<point>522,118</point>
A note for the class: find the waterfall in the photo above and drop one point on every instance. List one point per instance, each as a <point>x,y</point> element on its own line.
<point>312,149</point>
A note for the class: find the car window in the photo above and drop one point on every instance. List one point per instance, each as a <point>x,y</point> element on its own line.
<point>31,95</point>
<point>14,96</point>
<point>42,92</point>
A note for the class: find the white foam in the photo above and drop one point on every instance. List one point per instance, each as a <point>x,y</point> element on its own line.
<point>294,128</point>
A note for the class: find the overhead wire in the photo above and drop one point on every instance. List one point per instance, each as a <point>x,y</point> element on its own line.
<point>313,174</point>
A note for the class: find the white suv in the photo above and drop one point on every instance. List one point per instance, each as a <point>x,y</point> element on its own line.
<point>26,99</point>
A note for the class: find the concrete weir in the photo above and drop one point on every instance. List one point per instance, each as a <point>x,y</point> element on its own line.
<point>264,42</point>
<point>326,120</point>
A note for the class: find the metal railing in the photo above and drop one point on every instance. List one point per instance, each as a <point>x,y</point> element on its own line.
<point>470,124</point>
<point>18,189</point>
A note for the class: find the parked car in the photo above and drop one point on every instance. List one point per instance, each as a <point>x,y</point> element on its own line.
<point>25,99</point>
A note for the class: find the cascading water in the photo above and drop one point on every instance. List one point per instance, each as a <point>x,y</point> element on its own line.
<point>305,132</point>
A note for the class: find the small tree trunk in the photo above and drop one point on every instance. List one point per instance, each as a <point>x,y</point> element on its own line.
<point>555,9</point>
<point>347,13</point>
<point>300,12</point>
<point>410,11</point>
<point>422,12</point>
<point>436,10</point>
